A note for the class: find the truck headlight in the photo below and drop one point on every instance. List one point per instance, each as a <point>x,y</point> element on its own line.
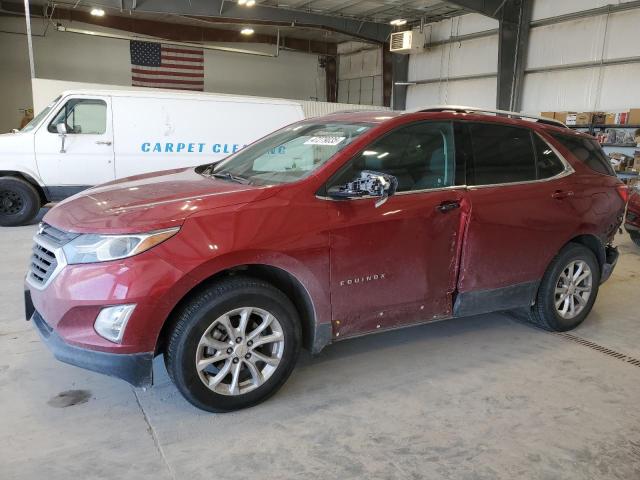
<point>111,321</point>
<point>92,248</point>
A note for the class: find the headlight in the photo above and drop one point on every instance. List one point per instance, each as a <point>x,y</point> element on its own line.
<point>91,248</point>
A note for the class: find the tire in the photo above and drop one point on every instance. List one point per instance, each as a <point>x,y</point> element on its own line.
<point>202,319</point>
<point>635,236</point>
<point>544,312</point>
<point>19,201</point>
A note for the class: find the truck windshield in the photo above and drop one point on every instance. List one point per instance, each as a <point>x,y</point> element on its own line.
<point>38,118</point>
<point>289,154</point>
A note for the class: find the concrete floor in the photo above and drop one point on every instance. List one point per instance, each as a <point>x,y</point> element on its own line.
<point>485,397</point>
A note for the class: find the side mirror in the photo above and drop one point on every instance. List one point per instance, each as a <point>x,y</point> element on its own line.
<point>369,183</point>
<point>62,131</point>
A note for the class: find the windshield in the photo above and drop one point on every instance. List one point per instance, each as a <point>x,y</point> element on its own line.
<point>36,120</point>
<point>289,154</point>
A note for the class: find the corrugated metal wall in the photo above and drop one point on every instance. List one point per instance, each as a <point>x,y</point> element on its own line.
<point>359,73</point>
<point>445,68</point>
<point>445,65</point>
<point>600,39</point>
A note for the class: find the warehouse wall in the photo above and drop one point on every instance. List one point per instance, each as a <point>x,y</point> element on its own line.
<point>604,37</point>
<point>440,65</point>
<point>360,73</point>
<point>66,56</point>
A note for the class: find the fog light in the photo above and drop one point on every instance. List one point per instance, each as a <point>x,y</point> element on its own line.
<point>112,321</point>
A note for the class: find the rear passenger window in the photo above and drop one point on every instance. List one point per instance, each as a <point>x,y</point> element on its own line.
<point>588,152</point>
<point>501,154</point>
<point>547,162</point>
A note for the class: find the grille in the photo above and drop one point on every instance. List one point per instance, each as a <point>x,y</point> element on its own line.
<point>44,261</point>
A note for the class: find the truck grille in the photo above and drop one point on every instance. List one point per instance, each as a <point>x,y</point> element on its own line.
<point>45,259</point>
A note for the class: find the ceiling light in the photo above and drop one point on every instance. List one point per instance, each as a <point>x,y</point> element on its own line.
<point>242,2</point>
<point>251,3</point>
<point>97,12</point>
<point>398,21</point>
<point>247,31</point>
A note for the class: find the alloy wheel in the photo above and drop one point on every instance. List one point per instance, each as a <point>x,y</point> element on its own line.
<point>573,289</point>
<point>239,351</point>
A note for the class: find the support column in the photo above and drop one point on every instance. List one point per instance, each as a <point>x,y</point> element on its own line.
<point>400,74</point>
<point>515,18</point>
<point>513,33</point>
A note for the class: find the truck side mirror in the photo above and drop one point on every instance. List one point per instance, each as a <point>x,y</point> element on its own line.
<point>369,183</point>
<point>62,132</point>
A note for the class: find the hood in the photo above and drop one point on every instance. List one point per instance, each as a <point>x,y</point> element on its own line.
<point>15,143</point>
<point>149,202</point>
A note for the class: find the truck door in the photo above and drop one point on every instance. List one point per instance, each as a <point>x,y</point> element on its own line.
<point>87,158</point>
<point>396,264</point>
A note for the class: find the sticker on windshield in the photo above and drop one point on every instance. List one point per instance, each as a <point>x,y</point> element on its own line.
<point>328,141</point>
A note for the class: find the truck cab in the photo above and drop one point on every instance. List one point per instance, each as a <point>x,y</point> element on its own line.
<point>86,138</point>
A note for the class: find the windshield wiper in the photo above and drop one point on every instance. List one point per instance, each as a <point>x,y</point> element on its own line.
<point>231,177</point>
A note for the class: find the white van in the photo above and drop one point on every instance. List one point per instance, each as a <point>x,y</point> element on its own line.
<point>84,138</point>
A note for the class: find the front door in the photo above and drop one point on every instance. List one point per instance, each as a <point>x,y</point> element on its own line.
<point>396,264</point>
<point>87,158</point>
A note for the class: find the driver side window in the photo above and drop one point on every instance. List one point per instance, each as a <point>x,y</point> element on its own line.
<point>420,156</point>
<point>88,116</point>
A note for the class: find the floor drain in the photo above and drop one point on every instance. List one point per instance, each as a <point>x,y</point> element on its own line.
<point>601,349</point>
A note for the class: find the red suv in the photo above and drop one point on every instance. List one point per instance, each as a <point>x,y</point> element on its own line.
<point>330,228</point>
<point>632,221</point>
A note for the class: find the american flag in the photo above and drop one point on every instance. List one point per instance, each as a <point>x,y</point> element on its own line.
<point>166,66</point>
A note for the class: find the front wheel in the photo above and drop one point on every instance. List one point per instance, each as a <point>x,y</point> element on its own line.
<point>233,345</point>
<point>635,236</point>
<point>568,289</point>
<point>19,201</point>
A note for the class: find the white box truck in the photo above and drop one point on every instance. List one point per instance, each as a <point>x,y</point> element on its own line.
<point>85,138</point>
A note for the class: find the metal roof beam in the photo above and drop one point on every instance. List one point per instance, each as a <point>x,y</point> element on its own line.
<point>488,8</point>
<point>372,31</point>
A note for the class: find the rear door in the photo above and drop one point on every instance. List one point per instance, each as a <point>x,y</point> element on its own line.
<point>87,158</point>
<point>396,264</point>
<point>521,215</point>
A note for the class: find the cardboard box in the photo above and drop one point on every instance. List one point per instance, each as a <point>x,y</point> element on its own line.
<point>598,118</point>
<point>551,115</point>
<point>634,116</point>
<point>566,117</point>
<point>610,119</point>
<point>584,118</point>
<point>621,118</point>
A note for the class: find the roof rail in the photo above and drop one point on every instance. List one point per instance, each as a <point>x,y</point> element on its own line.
<point>504,113</point>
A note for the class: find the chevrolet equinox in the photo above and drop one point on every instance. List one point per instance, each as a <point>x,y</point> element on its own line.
<point>327,229</point>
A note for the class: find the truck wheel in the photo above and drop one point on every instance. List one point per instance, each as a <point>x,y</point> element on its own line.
<point>568,289</point>
<point>233,345</point>
<point>635,236</point>
<point>19,201</point>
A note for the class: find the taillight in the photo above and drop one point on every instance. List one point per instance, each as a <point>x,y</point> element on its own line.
<point>623,191</point>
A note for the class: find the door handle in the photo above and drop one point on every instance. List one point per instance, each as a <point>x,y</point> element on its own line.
<point>103,142</point>
<point>562,194</point>
<point>445,207</point>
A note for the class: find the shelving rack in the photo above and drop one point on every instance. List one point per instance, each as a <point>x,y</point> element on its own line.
<point>591,129</point>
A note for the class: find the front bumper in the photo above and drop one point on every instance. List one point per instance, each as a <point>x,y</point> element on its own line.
<point>611,259</point>
<point>135,368</point>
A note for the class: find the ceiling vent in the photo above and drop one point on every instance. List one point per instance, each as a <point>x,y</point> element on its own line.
<point>405,42</point>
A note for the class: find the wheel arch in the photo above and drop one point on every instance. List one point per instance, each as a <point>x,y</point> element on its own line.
<point>594,244</point>
<point>27,178</point>
<point>313,335</point>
